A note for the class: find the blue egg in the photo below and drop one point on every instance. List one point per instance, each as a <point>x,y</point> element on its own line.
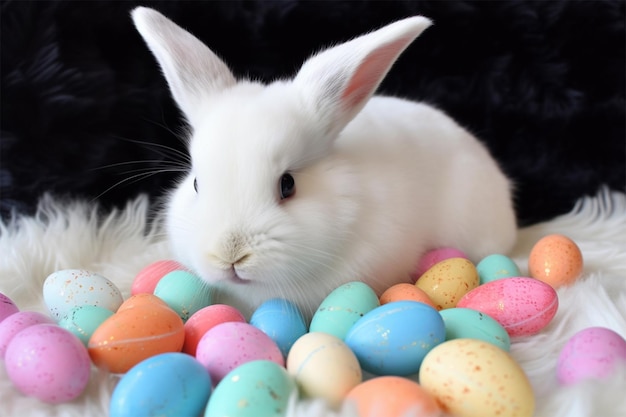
<point>169,384</point>
<point>281,320</point>
<point>394,338</point>
<point>495,267</point>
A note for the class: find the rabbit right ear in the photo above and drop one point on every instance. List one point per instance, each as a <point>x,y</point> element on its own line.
<point>191,69</point>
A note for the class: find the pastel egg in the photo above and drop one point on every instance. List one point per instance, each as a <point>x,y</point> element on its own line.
<point>465,323</point>
<point>256,388</point>
<point>405,292</point>
<point>82,321</point>
<point>7,307</point>
<point>184,292</point>
<point>146,280</point>
<point>230,344</point>
<point>281,320</point>
<point>523,306</point>
<point>433,257</point>
<point>394,338</point>
<point>472,378</point>
<point>324,367</point>
<point>17,322</point>
<point>143,327</point>
<point>343,307</point>
<point>449,280</point>
<point>495,267</point>
<point>66,289</point>
<point>204,320</point>
<point>555,260</point>
<point>392,396</point>
<point>169,385</point>
<point>592,353</point>
<point>48,362</point>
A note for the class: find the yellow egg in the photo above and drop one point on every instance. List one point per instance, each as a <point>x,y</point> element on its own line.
<point>472,378</point>
<point>555,260</point>
<point>449,280</point>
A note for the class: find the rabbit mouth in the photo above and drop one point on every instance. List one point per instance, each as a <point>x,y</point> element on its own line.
<point>234,278</point>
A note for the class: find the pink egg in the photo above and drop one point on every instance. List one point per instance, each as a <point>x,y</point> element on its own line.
<point>204,320</point>
<point>592,353</point>
<point>228,345</point>
<point>435,256</point>
<point>7,307</point>
<point>523,306</point>
<point>49,363</point>
<point>147,279</point>
<point>17,322</point>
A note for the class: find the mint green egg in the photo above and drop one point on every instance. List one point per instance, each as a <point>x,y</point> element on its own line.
<point>256,388</point>
<point>184,292</point>
<point>465,323</point>
<point>495,267</point>
<point>82,321</point>
<point>343,307</point>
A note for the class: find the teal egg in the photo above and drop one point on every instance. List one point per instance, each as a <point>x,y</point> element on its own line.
<point>342,308</point>
<point>254,389</point>
<point>82,321</point>
<point>495,267</point>
<point>184,292</point>
<point>281,320</point>
<point>465,323</point>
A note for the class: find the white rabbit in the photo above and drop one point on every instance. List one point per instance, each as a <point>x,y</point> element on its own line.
<point>302,185</point>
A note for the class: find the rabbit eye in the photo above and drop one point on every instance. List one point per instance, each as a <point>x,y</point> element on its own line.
<point>287,186</point>
<point>195,184</point>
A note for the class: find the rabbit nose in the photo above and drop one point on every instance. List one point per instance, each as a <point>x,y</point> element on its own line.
<point>232,251</point>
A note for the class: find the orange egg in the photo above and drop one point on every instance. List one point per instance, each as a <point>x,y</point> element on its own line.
<point>555,260</point>
<point>144,326</point>
<point>392,396</point>
<point>405,292</point>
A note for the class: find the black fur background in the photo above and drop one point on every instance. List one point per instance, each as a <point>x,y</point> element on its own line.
<point>541,82</point>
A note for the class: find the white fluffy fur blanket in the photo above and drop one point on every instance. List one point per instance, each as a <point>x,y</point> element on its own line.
<point>118,245</point>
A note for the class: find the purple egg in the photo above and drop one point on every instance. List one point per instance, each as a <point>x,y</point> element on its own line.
<point>7,307</point>
<point>17,322</point>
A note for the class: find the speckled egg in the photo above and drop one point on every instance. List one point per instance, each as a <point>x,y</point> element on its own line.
<point>48,362</point>
<point>204,320</point>
<point>184,292</point>
<point>555,260</point>
<point>434,256</point>
<point>592,353</point>
<point>83,321</point>
<point>7,307</point>
<point>449,280</point>
<point>281,320</point>
<point>472,378</point>
<point>17,322</point>
<point>405,292</point>
<point>66,289</point>
<point>496,266</point>
<point>523,306</point>
<point>465,323</point>
<point>147,279</point>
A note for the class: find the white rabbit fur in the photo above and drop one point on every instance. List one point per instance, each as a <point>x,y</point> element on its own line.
<point>379,180</point>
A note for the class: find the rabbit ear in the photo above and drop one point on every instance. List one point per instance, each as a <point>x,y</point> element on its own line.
<point>192,70</point>
<point>339,81</point>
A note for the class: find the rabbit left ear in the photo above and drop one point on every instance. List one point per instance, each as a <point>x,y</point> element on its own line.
<point>191,69</point>
<point>339,81</point>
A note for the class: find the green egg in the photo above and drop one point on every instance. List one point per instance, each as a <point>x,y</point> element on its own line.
<point>343,307</point>
<point>495,267</point>
<point>256,388</point>
<point>184,292</point>
<point>465,323</point>
<point>82,321</point>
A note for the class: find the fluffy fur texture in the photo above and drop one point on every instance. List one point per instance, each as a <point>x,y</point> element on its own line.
<point>119,244</point>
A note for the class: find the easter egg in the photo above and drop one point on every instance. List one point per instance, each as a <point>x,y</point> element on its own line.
<point>394,338</point>
<point>7,307</point>
<point>281,320</point>
<point>230,344</point>
<point>254,389</point>
<point>17,322</point>
<point>472,378</point>
<point>146,280</point>
<point>204,320</point>
<point>48,362</point>
<point>168,385</point>
<point>434,256</point>
<point>449,280</point>
<point>555,260</point>
<point>323,367</point>
<point>343,307</point>
<point>592,353</point>
<point>82,321</point>
<point>405,292</point>
<point>184,292</point>
<point>495,267</point>
<point>523,306</point>
<point>392,396</point>
<point>66,289</point>
<point>465,323</point>
<point>143,327</point>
